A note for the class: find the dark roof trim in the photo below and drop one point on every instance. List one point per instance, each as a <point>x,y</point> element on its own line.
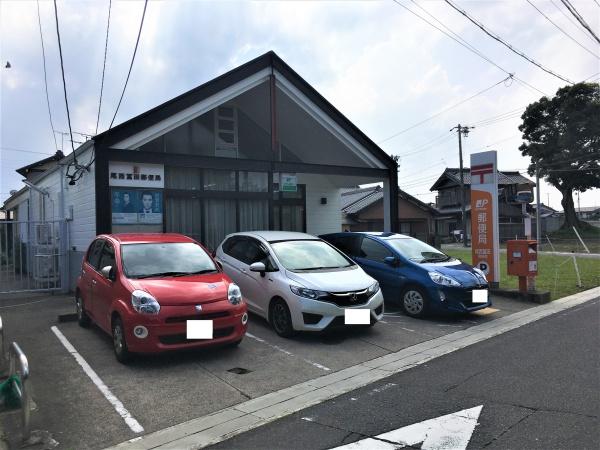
<point>187,99</point>
<point>33,167</point>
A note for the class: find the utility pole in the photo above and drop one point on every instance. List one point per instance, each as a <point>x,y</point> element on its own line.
<point>538,224</point>
<point>462,131</point>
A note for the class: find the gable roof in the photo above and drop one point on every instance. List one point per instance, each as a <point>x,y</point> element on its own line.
<point>356,200</point>
<point>505,177</point>
<point>35,166</point>
<point>196,95</point>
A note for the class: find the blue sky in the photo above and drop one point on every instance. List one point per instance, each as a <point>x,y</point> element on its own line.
<point>381,66</point>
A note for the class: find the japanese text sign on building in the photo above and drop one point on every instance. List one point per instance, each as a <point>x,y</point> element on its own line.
<point>484,214</point>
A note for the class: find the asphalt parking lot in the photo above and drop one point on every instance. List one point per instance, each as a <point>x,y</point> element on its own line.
<point>160,391</point>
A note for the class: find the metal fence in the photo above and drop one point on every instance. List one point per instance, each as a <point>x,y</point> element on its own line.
<point>33,256</point>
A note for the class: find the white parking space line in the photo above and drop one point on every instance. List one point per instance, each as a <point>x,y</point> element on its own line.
<point>283,350</point>
<point>114,401</point>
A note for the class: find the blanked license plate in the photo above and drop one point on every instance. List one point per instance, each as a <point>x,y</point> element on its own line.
<point>354,316</point>
<point>199,329</point>
<point>480,296</point>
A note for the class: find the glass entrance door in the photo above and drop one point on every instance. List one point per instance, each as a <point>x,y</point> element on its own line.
<point>289,210</point>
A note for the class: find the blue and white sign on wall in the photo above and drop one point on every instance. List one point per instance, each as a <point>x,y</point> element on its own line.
<point>135,206</point>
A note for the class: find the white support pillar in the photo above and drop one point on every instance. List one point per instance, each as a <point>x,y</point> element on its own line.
<point>387,216</point>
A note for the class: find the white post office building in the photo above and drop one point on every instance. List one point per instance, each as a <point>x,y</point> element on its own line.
<point>255,148</point>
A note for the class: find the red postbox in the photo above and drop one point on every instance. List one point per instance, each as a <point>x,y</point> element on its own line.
<point>522,260</point>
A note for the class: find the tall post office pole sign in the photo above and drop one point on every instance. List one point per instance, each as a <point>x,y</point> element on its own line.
<point>485,242</point>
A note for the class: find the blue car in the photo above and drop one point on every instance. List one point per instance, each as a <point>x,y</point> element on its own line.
<point>417,276</point>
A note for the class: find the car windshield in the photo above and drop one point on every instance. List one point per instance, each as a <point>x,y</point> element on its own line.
<point>309,255</point>
<point>165,259</point>
<point>416,250</point>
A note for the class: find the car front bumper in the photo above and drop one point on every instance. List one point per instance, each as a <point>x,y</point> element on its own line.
<point>168,330</point>
<point>456,299</point>
<point>315,315</point>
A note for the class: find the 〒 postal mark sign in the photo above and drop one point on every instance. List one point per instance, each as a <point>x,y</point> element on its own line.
<point>449,432</point>
<point>484,214</point>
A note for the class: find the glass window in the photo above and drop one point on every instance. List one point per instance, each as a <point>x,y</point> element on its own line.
<point>219,180</point>
<point>417,250</point>
<point>165,258</point>
<point>108,257</point>
<point>254,182</point>
<point>184,215</point>
<point>219,221</point>
<point>182,178</point>
<point>348,244</point>
<point>370,249</point>
<point>94,252</point>
<point>248,251</point>
<point>238,129</point>
<point>254,215</point>
<point>309,255</point>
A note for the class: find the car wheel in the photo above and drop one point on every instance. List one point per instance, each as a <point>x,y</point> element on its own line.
<point>82,318</point>
<point>119,343</point>
<point>281,319</point>
<point>414,302</point>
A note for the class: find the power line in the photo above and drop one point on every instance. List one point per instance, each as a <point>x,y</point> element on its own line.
<point>130,65</point>
<point>579,18</point>
<point>104,64</point>
<point>506,44</point>
<point>46,77</point>
<point>62,69</point>
<point>457,38</point>
<point>573,22</point>
<point>444,110</point>
<point>13,149</point>
<point>563,31</point>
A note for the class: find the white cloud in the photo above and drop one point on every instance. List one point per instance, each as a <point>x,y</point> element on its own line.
<point>378,64</point>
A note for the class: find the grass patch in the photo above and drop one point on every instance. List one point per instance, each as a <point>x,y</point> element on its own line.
<point>555,273</point>
<point>565,240</point>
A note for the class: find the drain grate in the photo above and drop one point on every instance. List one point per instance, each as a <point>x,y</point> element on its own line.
<point>239,370</point>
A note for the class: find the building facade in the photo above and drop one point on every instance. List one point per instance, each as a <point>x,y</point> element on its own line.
<point>448,202</point>
<point>362,210</point>
<point>255,148</point>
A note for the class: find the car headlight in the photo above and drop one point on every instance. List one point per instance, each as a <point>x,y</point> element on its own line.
<point>480,273</point>
<point>373,289</point>
<point>234,294</point>
<point>444,280</point>
<point>307,293</point>
<point>144,303</point>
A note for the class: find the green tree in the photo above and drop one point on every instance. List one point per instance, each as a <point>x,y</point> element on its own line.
<point>562,136</point>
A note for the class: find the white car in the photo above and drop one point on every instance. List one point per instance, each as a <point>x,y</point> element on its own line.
<point>297,281</point>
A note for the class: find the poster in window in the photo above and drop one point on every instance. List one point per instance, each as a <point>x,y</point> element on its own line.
<point>124,206</point>
<point>150,207</point>
<point>135,206</point>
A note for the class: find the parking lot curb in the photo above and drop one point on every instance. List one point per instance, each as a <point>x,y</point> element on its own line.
<point>226,423</point>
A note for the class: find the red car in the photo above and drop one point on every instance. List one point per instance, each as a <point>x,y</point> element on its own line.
<point>144,288</point>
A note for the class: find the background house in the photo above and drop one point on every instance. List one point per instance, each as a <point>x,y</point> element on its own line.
<point>510,213</point>
<point>362,210</point>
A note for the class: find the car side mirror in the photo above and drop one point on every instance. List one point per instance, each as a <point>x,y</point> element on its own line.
<point>108,272</point>
<point>258,267</point>
<point>219,264</point>
<point>391,261</point>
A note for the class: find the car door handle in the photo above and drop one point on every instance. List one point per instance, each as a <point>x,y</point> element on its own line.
<point>94,281</point>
